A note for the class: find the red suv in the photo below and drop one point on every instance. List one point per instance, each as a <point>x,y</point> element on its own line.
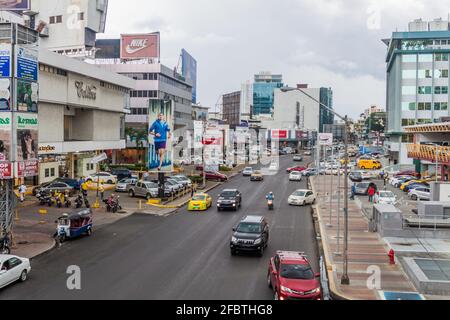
<point>292,278</point>
<point>298,169</point>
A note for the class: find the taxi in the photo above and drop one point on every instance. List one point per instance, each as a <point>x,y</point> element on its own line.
<point>200,202</point>
<point>403,186</point>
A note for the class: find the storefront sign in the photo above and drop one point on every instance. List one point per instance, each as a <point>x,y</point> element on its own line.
<point>15,5</point>
<point>6,170</point>
<point>86,91</point>
<point>198,134</point>
<point>139,46</point>
<point>27,126</point>
<point>27,64</point>
<point>325,139</point>
<point>5,60</point>
<point>5,136</point>
<point>27,169</point>
<point>279,134</point>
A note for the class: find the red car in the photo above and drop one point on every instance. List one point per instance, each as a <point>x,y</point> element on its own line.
<point>299,169</point>
<point>291,277</point>
<point>216,176</point>
<point>408,173</point>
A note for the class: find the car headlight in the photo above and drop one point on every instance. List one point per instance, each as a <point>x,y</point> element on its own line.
<point>258,241</point>
<point>286,290</point>
<point>234,240</point>
<point>219,201</point>
<point>315,291</point>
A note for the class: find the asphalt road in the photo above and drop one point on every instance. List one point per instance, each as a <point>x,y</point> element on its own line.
<point>185,256</point>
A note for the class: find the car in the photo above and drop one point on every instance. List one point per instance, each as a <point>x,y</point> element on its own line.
<point>250,235</point>
<point>295,176</point>
<point>257,176</point>
<point>12,269</point>
<point>174,185</point>
<point>403,180</point>
<point>302,198</point>
<point>421,193</point>
<point>356,176</point>
<point>385,197</point>
<point>216,176</point>
<point>274,166</point>
<point>291,277</point>
<point>398,180</point>
<point>369,164</point>
<point>298,158</point>
<point>413,186</point>
<point>186,183</point>
<point>307,153</point>
<point>229,199</point>
<point>408,183</point>
<point>247,172</point>
<point>408,173</point>
<point>104,177</point>
<point>124,184</point>
<point>74,183</point>
<point>121,173</point>
<point>147,189</point>
<point>200,202</point>
<point>309,172</point>
<point>362,188</point>
<point>298,168</point>
<point>52,187</point>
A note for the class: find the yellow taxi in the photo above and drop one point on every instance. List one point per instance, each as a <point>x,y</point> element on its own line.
<point>200,202</point>
<point>403,186</point>
<point>369,164</point>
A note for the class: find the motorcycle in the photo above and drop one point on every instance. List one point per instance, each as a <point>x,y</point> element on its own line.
<point>5,247</point>
<point>79,201</point>
<point>112,205</point>
<point>270,204</point>
<point>43,198</point>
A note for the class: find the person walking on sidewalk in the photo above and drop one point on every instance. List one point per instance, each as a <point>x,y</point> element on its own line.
<point>101,189</point>
<point>371,193</point>
<point>352,197</point>
<point>22,192</point>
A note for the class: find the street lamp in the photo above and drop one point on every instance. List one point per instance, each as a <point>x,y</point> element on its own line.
<point>345,278</point>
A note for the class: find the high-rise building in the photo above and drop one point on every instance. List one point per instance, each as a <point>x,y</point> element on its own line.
<point>246,100</point>
<point>232,109</point>
<point>417,81</point>
<point>263,92</point>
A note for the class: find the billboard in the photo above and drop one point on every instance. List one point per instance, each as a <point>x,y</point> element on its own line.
<point>161,116</point>
<point>6,170</point>
<point>27,96</point>
<point>5,60</point>
<point>27,127</point>
<point>139,46</point>
<point>279,134</point>
<point>5,95</point>
<point>27,169</point>
<point>198,134</point>
<point>27,63</point>
<point>189,71</point>
<point>325,139</point>
<point>15,5</point>
<point>5,136</point>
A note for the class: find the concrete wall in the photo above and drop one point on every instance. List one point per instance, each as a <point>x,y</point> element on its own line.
<point>83,125</point>
<point>48,166</point>
<point>106,125</point>
<point>51,123</point>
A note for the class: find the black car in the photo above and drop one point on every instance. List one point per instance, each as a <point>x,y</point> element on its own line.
<point>73,183</point>
<point>121,173</point>
<point>251,235</point>
<point>229,199</point>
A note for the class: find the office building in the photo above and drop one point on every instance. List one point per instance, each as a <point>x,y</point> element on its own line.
<point>264,93</point>
<point>232,109</point>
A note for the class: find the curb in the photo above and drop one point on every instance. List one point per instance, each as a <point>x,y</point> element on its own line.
<point>330,272</point>
<point>45,251</point>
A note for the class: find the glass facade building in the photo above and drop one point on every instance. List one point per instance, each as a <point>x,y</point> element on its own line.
<point>326,117</point>
<point>264,93</point>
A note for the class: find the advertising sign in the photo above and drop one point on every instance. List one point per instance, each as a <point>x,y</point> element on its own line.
<point>5,136</point>
<point>27,169</point>
<point>161,116</point>
<point>27,96</point>
<point>189,71</point>
<point>139,46</point>
<point>27,63</point>
<point>27,127</point>
<point>6,171</point>
<point>15,5</point>
<point>198,134</point>
<point>99,158</point>
<point>325,139</point>
<point>279,134</point>
<point>5,60</point>
<point>5,95</point>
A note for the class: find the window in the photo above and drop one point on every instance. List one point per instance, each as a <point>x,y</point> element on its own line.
<point>409,90</point>
<point>52,172</point>
<point>422,106</point>
<point>408,122</point>
<point>47,173</point>
<point>424,90</point>
<point>441,56</point>
<point>425,74</point>
<point>424,121</point>
<point>58,19</point>
<point>441,74</point>
<point>81,16</point>
<point>409,74</point>
<point>407,58</point>
<point>52,20</point>
<point>409,138</point>
<point>408,106</point>
<point>441,106</point>
<point>440,90</point>
<point>425,58</point>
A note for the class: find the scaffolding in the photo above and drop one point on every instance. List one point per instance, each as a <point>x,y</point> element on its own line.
<point>7,206</point>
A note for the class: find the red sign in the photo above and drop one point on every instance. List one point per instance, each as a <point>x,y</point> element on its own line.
<point>279,134</point>
<point>6,170</point>
<point>28,169</point>
<point>139,46</point>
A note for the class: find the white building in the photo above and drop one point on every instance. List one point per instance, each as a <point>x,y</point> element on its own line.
<point>81,112</point>
<point>246,100</point>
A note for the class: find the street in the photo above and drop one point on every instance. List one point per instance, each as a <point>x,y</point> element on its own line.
<point>184,256</point>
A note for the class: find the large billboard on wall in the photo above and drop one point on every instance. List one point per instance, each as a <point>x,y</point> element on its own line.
<point>27,127</point>
<point>189,71</point>
<point>5,60</point>
<point>27,96</point>
<point>161,116</point>
<point>5,95</point>
<point>27,63</point>
<point>15,5</point>
<point>5,136</point>
<point>140,46</point>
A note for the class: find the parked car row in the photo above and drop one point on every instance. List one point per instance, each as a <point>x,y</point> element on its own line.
<point>150,189</point>
<point>408,182</point>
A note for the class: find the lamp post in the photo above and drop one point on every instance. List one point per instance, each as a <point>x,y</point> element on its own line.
<point>345,278</point>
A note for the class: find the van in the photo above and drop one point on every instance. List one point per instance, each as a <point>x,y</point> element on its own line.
<point>365,164</point>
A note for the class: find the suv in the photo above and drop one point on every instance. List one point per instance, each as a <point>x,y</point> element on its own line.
<point>251,235</point>
<point>291,277</point>
<point>229,199</point>
<point>147,190</point>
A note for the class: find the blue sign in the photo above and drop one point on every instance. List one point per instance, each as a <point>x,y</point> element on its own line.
<point>189,71</point>
<point>27,64</point>
<point>397,296</point>
<point>5,60</point>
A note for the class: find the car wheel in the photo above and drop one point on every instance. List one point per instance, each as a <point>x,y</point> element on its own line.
<point>148,197</point>
<point>314,201</point>
<point>269,281</point>
<point>89,232</point>
<point>131,193</point>
<point>110,182</point>
<point>304,203</point>
<point>414,197</point>
<point>23,276</point>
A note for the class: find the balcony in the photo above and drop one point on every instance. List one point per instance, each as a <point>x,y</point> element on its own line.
<point>428,153</point>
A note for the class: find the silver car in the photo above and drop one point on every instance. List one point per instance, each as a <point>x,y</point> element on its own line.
<point>144,189</point>
<point>124,184</point>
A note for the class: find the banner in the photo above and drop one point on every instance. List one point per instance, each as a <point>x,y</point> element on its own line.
<point>27,96</point>
<point>15,5</point>
<point>5,60</point>
<point>27,169</point>
<point>198,134</point>
<point>27,127</point>
<point>139,46</point>
<point>5,136</point>
<point>279,134</point>
<point>27,63</point>
<point>5,95</point>
<point>161,116</point>
<point>6,171</point>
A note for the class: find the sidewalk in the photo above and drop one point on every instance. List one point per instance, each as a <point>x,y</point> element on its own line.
<point>366,249</point>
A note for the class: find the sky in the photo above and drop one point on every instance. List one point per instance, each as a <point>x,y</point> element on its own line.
<point>324,43</point>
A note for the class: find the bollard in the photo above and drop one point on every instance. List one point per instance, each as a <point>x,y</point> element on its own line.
<point>42,212</point>
<point>140,204</point>
<point>392,257</point>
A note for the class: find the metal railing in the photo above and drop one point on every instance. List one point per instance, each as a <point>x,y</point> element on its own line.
<point>435,223</point>
<point>427,152</point>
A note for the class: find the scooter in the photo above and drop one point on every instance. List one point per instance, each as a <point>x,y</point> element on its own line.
<point>5,247</point>
<point>112,205</point>
<point>79,201</point>
<point>270,204</point>
<point>43,198</point>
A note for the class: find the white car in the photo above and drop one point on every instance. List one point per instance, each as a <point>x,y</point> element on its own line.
<point>307,153</point>
<point>421,193</point>
<point>247,172</point>
<point>122,185</point>
<point>385,197</point>
<point>12,269</point>
<point>295,176</point>
<point>104,177</point>
<point>302,198</point>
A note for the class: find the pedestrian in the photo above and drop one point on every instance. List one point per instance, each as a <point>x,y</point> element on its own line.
<point>101,189</point>
<point>22,192</point>
<point>353,192</point>
<point>193,189</point>
<point>371,193</point>
<point>84,189</point>
<point>80,183</point>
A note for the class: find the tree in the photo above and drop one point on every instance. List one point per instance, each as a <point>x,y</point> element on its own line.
<point>376,122</point>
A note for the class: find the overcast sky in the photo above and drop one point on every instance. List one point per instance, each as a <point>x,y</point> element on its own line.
<point>325,43</point>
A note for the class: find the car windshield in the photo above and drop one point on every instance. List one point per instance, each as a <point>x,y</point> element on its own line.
<point>199,198</point>
<point>227,194</point>
<point>248,169</point>
<point>387,194</point>
<point>249,228</point>
<point>295,173</point>
<point>363,185</point>
<point>299,194</point>
<point>297,272</point>
<point>125,181</point>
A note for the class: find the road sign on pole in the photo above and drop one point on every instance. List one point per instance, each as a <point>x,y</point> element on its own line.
<point>325,139</point>
<point>99,158</point>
